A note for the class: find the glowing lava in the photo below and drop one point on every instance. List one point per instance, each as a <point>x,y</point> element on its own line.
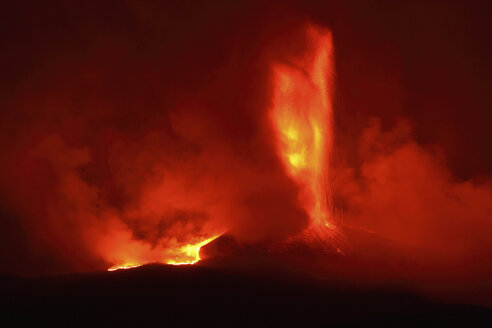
<point>187,254</point>
<point>190,254</point>
<point>123,266</point>
<point>302,120</point>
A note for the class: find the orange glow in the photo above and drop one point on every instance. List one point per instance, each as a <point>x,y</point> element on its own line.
<point>302,120</point>
<point>178,255</point>
<point>190,254</point>
<point>124,266</point>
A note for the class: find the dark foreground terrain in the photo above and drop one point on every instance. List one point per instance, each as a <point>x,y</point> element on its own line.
<point>159,295</point>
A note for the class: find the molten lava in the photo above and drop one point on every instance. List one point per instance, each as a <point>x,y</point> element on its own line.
<point>190,254</point>
<point>187,254</point>
<point>301,116</point>
<point>124,266</point>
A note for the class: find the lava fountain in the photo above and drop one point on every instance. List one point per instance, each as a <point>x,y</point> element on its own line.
<point>301,116</point>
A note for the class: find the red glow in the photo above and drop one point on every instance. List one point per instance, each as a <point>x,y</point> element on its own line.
<point>139,139</point>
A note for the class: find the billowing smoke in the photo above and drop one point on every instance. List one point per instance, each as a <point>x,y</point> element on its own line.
<point>123,146</point>
<point>407,217</point>
<point>406,193</point>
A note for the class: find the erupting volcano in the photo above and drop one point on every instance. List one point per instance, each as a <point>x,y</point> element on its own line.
<point>268,160</point>
<point>301,118</point>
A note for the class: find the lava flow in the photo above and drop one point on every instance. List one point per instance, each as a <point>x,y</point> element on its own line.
<point>184,255</point>
<point>190,254</point>
<point>124,266</point>
<point>302,119</point>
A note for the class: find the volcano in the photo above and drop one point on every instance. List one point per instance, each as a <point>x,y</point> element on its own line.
<point>245,163</point>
